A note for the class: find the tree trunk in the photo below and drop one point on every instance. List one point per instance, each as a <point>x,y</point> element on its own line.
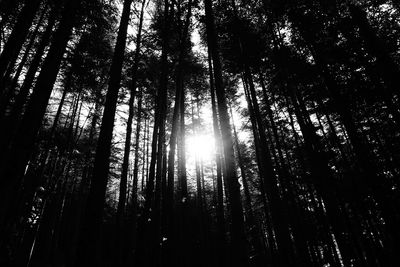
<point>237,227</point>
<point>144,158</point>
<point>218,155</point>
<point>136,161</point>
<point>127,148</point>
<point>253,224</point>
<point>156,153</point>
<point>278,209</point>
<point>88,254</point>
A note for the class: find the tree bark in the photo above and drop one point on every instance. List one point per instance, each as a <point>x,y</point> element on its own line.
<point>237,227</point>
<point>156,155</point>
<point>127,147</point>
<point>255,232</point>
<point>88,254</point>
<point>218,161</point>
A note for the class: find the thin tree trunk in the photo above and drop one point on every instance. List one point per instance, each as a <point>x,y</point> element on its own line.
<point>179,101</point>
<point>156,153</point>
<point>253,224</point>
<point>127,148</point>
<point>257,143</point>
<point>278,208</point>
<point>144,158</point>
<point>218,155</point>
<point>136,161</point>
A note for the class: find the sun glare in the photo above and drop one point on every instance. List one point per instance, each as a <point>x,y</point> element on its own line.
<point>200,146</point>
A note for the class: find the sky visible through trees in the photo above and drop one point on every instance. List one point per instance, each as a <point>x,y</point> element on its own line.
<point>199,133</point>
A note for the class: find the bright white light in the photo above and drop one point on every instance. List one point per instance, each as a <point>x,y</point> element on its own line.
<point>201,146</point>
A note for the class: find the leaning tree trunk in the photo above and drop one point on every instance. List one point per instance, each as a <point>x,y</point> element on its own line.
<point>255,231</point>
<point>19,152</point>
<point>88,254</point>
<point>278,208</point>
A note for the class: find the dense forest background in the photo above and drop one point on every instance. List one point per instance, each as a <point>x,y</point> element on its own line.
<point>199,133</point>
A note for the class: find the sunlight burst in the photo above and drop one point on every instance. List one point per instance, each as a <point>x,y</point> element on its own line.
<point>201,146</point>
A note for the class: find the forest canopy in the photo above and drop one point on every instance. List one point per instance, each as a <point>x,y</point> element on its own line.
<point>199,133</point>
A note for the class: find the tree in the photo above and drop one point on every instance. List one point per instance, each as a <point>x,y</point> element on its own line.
<point>238,237</point>
<point>88,254</point>
<point>124,172</point>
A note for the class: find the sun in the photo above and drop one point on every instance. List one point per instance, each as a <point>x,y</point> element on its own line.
<point>200,146</point>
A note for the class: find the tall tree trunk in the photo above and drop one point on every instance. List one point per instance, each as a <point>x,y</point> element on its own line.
<point>218,160</point>
<point>156,152</point>
<point>88,254</point>
<point>147,155</point>
<point>127,147</point>
<point>136,163</point>
<point>84,183</point>
<point>278,208</point>
<point>182,180</point>
<point>237,227</point>
<point>169,198</point>
<point>259,158</point>
<point>255,232</point>
<point>144,158</point>
<point>199,187</point>
<point>177,113</point>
